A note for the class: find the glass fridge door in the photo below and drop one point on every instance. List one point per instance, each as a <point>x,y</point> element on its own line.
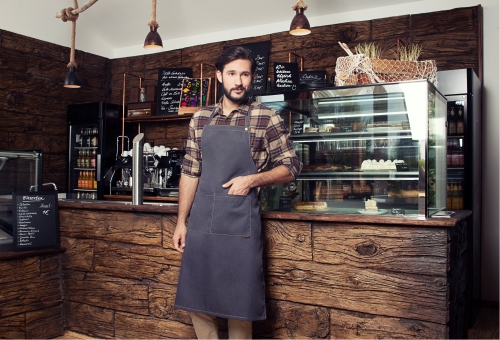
<point>84,160</point>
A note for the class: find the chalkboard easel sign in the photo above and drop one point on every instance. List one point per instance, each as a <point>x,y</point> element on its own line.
<point>169,89</point>
<point>298,127</point>
<point>35,220</point>
<point>286,77</point>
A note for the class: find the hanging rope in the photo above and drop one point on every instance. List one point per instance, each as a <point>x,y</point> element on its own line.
<point>153,22</point>
<point>72,14</point>
<point>299,4</point>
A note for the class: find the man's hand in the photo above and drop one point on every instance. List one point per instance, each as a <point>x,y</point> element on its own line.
<point>239,185</point>
<point>179,237</point>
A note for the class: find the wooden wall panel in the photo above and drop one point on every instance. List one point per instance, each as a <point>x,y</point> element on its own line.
<point>132,228</point>
<point>13,327</point>
<point>162,301</point>
<point>137,262</point>
<point>79,254</point>
<point>361,290</point>
<point>288,239</point>
<point>45,324</point>
<point>395,249</point>
<point>353,325</point>
<point>91,320</point>
<point>134,326</point>
<point>107,292</point>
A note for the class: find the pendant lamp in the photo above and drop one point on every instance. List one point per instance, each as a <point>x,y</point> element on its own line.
<point>300,24</point>
<point>71,14</point>
<point>153,39</point>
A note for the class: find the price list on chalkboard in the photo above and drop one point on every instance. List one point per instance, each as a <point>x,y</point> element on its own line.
<point>286,76</point>
<point>169,89</point>
<point>36,221</point>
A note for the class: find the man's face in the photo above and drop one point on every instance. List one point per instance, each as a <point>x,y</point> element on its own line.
<point>236,79</point>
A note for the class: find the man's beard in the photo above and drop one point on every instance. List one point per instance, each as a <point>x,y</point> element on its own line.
<point>238,100</point>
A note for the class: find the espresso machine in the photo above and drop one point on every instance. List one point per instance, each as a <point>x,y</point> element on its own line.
<point>161,171</point>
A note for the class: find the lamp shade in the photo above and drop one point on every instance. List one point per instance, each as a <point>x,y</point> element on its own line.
<point>300,24</point>
<point>72,81</point>
<point>153,39</point>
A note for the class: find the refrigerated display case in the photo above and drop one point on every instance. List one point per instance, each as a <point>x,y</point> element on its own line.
<point>462,89</point>
<point>377,149</point>
<point>96,137</point>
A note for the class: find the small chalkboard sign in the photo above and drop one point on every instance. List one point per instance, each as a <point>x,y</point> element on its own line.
<point>35,220</point>
<point>169,89</point>
<point>346,128</point>
<point>285,203</point>
<point>260,52</point>
<point>308,77</point>
<point>286,77</point>
<point>298,127</point>
<point>193,94</point>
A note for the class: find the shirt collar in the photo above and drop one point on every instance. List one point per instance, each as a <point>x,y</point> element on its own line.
<point>242,109</point>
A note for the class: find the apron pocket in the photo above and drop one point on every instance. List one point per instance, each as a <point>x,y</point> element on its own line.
<point>200,218</point>
<point>232,215</point>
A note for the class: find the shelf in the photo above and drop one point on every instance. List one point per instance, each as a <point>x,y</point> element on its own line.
<point>86,147</point>
<point>84,169</point>
<point>340,136</point>
<point>359,176</point>
<point>89,190</point>
<point>151,119</point>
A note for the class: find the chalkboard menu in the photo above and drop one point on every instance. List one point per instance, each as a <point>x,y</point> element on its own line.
<point>169,89</point>
<point>260,51</point>
<point>35,220</point>
<point>308,77</point>
<point>286,77</point>
<point>297,127</point>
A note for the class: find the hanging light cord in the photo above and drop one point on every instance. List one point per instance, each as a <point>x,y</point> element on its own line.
<point>153,22</point>
<point>71,14</point>
<point>299,4</point>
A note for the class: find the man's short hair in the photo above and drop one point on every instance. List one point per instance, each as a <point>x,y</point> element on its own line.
<point>234,53</point>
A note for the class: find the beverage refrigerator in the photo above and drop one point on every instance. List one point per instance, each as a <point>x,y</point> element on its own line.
<point>462,89</point>
<point>96,137</point>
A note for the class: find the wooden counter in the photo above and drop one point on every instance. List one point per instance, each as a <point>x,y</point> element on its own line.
<point>327,276</point>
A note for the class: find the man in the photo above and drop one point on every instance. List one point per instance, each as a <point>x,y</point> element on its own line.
<point>228,145</point>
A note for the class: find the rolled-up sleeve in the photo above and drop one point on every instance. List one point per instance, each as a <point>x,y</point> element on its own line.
<point>280,147</point>
<point>191,165</point>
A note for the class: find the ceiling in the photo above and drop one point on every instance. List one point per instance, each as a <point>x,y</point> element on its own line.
<point>111,25</point>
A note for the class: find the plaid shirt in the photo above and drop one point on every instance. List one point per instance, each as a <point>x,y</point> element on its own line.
<point>268,137</point>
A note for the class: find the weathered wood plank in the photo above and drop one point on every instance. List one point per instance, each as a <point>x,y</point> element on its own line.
<point>90,320</point>
<point>11,60</point>
<point>13,327</point>
<point>397,249</point>
<point>33,294</point>
<point>106,291</point>
<point>141,327</point>
<point>79,254</point>
<point>45,324</point>
<point>353,325</point>
<point>137,262</point>
<point>286,320</point>
<point>287,239</point>
<point>362,290</point>
<point>162,301</point>
<point>19,269</point>
<point>143,229</point>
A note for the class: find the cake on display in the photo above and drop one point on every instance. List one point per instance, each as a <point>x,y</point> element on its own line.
<point>371,206</point>
<point>380,165</point>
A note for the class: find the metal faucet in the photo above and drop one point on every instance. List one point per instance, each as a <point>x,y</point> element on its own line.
<point>49,183</point>
<point>137,169</point>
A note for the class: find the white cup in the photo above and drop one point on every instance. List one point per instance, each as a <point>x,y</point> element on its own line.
<point>156,149</point>
<point>147,147</point>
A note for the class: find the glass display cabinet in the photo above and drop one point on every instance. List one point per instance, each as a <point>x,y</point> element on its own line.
<point>377,149</point>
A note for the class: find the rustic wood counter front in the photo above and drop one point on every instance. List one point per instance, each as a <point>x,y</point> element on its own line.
<point>327,276</point>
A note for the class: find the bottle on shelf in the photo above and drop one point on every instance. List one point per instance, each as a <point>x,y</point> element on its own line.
<point>460,192</point>
<point>80,178</point>
<point>94,181</point>
<point>452,123</point>
<point>454,197</point>
<point>269,87</point>
<point>93,160</point>
<point>460,121</point>
<point>448,195</point>
<point>94,137</point>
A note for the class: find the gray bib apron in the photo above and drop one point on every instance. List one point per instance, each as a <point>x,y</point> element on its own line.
<point>221,272</point>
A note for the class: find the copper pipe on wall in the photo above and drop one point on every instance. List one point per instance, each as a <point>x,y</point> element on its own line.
<point>124,89</point>
<point>300,57</point>
<point>201,83</point>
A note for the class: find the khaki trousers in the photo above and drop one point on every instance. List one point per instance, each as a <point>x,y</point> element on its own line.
<point>205,327</point>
